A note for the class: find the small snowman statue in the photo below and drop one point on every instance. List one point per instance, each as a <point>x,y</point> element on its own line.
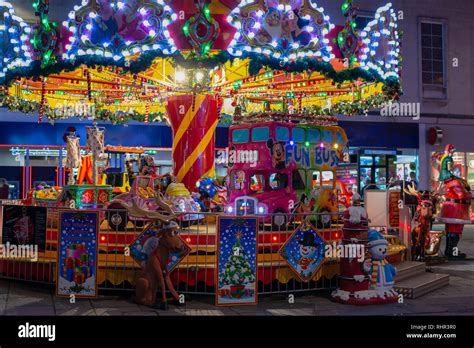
<point>381,273</point>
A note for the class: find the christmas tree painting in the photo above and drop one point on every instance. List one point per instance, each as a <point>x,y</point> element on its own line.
<point>237,261</point>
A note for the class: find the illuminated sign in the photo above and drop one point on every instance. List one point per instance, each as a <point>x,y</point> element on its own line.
<point>309,157</point>
<point>43,152</point>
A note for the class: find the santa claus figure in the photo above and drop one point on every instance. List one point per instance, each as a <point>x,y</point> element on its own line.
<point>353,281</point>
<point>457,201</point>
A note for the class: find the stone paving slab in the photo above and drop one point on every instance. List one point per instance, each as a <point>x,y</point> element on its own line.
<point>29,310</point>
<point>78,311</point>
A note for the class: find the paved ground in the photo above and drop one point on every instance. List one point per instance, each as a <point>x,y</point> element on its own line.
<point>17,298</point>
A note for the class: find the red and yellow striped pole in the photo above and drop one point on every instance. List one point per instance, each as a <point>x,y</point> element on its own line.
<point>194,121</point>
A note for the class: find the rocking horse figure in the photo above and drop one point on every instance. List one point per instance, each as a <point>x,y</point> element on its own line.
<point>154,273</point>
<point>424,218</point>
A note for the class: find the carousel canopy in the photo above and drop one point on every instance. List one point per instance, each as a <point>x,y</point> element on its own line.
<point>119,60</point>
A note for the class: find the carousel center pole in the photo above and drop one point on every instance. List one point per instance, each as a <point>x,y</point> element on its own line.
<point>193,119</point>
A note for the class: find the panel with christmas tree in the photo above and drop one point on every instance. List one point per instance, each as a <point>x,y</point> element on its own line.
<point>236,281</point>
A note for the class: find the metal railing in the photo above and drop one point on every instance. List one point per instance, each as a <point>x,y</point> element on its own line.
<point>196,272</point>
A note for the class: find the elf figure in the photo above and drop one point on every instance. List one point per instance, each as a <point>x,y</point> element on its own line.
<point>381,273</point>
<point>447,163</point>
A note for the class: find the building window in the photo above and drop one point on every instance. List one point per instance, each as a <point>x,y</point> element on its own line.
<point>363,20</point>
<point>432,55</point>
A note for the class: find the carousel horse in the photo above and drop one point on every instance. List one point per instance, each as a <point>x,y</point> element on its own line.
<point>424,218</point>
<point>73,159</point>
<point>95,145</point>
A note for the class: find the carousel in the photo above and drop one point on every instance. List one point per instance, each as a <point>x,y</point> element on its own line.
<point>278,73</point>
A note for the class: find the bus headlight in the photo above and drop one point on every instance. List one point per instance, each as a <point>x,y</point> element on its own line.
<point>261,210</point>
<point>230,209</point>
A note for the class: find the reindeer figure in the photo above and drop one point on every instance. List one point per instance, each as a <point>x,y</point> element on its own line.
<point>154,273</point>
<point>424,217</point>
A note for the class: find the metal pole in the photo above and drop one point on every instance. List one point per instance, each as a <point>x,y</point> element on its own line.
<point>27,172</point>
<point>60,167</point>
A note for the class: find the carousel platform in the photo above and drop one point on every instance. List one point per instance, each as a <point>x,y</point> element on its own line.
<point>412,280</point>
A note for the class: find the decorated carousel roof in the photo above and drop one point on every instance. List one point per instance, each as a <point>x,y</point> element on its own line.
<point>123,58</point>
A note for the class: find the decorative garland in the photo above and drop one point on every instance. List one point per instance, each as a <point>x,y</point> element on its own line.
<point>357,107</point>
<point>13,103</point>
<point>257,62</point>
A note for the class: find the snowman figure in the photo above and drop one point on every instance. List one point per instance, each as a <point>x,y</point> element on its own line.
<point>380,271</point>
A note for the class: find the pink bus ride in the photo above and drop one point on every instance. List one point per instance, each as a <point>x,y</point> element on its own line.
<point>279,168</point>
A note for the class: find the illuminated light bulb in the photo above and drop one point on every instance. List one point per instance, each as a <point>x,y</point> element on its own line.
<point>174,16</point>
<point>120,5</point>
<point>92,15</point>
<point>89,26</point>
<point>153,32</point>
<point>321,145</point>
<point>179,76</point>
<point>251,35</point>
<point>257,25</point>
<point>65,23</point>
<point>142,11</point>
<point>146,23</point>
<point>84,38</point>
<point>106,44</point>
<point>117,57</point>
